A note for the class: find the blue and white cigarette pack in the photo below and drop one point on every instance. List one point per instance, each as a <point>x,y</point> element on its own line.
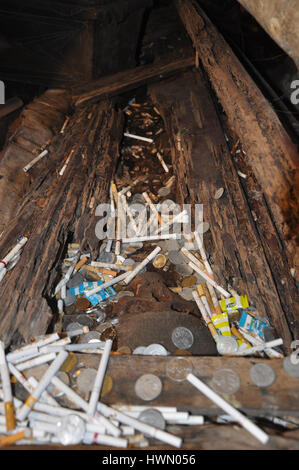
<point>95,298</point>
<point>252,324</point>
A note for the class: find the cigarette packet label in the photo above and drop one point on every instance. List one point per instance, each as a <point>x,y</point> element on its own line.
<point>94,299</point>
<point>233,303</point>
<point>252,324</point>
<point>221,324</point>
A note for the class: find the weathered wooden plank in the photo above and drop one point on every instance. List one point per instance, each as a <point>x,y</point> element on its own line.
<point>281,397</point>
<point>54,210</point>
<point>270,151</point>
<point>203,164</point>
<point>123,81</point>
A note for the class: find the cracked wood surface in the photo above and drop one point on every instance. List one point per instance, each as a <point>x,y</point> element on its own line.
<point>56,208</point>
<point>203,164</point>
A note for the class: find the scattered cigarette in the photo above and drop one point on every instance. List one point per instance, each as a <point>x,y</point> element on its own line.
<point>138,137</point>
<point>35,160</point>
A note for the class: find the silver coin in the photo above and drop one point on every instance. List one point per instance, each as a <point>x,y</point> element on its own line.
<point>70,299</point>
<point>125,293</point>
<point>203,227</point>
<point>129,262</point>
<point>139,350</point>
<point>182,338</point>
<point>85,320</point>
<point>137,198</point>
<point>291,368</point>
<point>73,326</point>
<point>183,269</point>
<point>262,375</point>
<point>148,387</point>
<point>84,339</point>
<point>172,245</point>
<point>70,430</point>
<point>219,193</point>
<point>106,257</point>
<point>153,418</point>
<point>75,280</point>
<point>168,206</point>
<point>178,368</point>
<point>227,345</point>
<point>155,350</point>
<point>186,293</point>
<point>176,257</point>
<point>85,380</point>
<point>226,381</point>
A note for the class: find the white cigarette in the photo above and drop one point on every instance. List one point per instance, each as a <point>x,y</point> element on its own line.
<point>142,427</point>
<point>36,361</point>
<point>73,396</point>
<point>66,163</point>
<point>178,218</point>
<point>167,236</point>
<point>7,393</point>
<point>141,265</point>
<point>35,160</point>
<point>21,354</point>
<point>139,408</point>
<point>44,382</point>
<point>138,137</point>
<point>3,273</point>
<point>67,275</point>
<point>204,313</point>
<point>229,409</point>
<point>191,420</point>
<point>168,416</point>
<point>45,396</point>
<point>47,339</point>
<point>257,342</point>
<point>12,253</point>
<point>91,437</point>
<point>208,279</point>
<point>203,253</point>
<point>117,279</point>
<point>98,383</point>
<point>113,266</point>
<point>128,210</point>
<point>44,426</point>
<point>261,347</point>
<point>111,428</point>
<point>162,162</point>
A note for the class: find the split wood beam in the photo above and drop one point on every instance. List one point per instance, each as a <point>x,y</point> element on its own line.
<point>124,81</point>
<point>270,152</point>
<point>58,208</point>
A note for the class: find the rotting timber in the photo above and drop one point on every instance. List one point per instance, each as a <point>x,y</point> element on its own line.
<point>61,208</point>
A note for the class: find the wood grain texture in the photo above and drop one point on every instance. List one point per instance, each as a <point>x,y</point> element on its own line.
<point>55,209</point>
<point>203,164</point>
<point>129,79</point>
<point>271,153</point>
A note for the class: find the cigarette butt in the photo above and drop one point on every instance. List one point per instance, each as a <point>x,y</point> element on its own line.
<point>13,438</point>
<point>176,289</point>
<point>107,271</point>
<point>212,330</point>
<point>81,263</point>
<point>10,416</point>
<point>237,333</point>
<point>204,291</point>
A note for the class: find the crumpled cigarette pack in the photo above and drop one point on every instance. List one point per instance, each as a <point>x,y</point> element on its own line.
<point>252,324</point>
<point>94,299</point>
<point>232,304</point>
<point>221,324</point>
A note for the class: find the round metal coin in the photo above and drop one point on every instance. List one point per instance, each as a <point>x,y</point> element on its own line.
<point>82,304</point>
<point>139,350</point>
<point>69,363</point>
<point>155,350</point>
<point>90,336</point>
<point>226,381</point>
<point>160,261</point>
<point>73,326</point>
<point>124,350</point>
<point>85,320</point>
<point>107,385</point>
<point>75,280</point>
<point>176,257</point>
<point>189,281</point>
<point>290,367</point>
<point>148,387</point>
<point>186,293</point>
<point>182,338</point>
<point>219,193</point>
<point>184,269</point>
<point>227,345</point>
<point>153,418</point>
<point>178,368</point>
<point>85,380</point>
<point>55,391</point>
<point>262,375</point>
